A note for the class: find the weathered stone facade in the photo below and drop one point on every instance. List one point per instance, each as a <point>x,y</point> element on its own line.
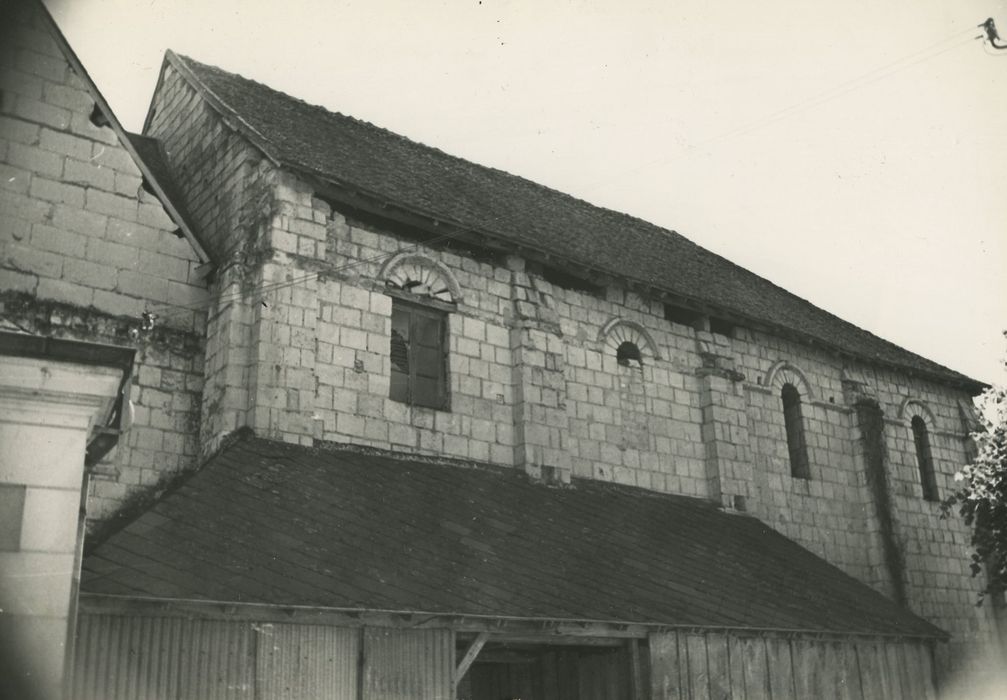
<point>534,381</point>
<point>295,346</point>
<point>85,250</point>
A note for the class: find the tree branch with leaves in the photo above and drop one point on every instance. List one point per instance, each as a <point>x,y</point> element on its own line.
<point>980,497</point>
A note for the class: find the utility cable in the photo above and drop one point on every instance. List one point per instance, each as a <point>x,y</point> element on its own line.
<point>177,309</point>
<point>809,103</point>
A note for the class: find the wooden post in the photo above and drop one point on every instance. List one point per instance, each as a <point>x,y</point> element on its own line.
<point>470,656</point>
<point>636,682</point>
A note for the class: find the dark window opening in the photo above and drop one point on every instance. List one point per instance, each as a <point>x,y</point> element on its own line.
<point>924,459</point>
<point>418,352</point>
<point>628,355</point>
<point>682,316</point>
<point>719,325</point>
<point>605,669</point>
<point>98,117</point>
<point>565,280</point>
<point>794,422</point>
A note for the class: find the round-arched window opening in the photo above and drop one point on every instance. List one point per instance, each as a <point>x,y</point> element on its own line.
<point>628,355</point>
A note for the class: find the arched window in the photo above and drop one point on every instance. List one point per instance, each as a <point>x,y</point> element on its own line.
<point>924,459</point>
<point>794,422</point>
<point>629,341</point>
<point>628,354</point>
<point>423,292</point>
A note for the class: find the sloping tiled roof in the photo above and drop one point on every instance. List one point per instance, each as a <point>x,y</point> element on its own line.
<point>271,523</point>
<point>426,181</point>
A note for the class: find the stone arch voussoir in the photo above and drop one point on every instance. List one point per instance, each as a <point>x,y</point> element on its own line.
<point>421,275</point>
<point>785,372</point>
<point>617,331</point>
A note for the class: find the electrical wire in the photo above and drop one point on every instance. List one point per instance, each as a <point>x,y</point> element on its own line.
<point>818,100</point>
<point>177,309</point>
<point>849,85</point>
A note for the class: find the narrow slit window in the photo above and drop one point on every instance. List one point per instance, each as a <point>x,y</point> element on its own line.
<point>418,356</point>
<point>924,459</point>
<point>794,421</point>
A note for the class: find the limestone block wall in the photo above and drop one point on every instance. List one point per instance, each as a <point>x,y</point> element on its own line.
<point>219,174</point>
<point>651,425</point>
<point>227,187</point>
<point>84,250</point>
<point>353,364</point>
<point>833,512</point>
<point>635,425</point>
<point>299,349</point>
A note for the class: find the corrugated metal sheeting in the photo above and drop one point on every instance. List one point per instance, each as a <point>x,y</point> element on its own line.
<point>162,658</point>
<point>715,665</point>
<point>172,658</point>
<point>295,662</point>
<point>408,664</point>
<point>122,657</point>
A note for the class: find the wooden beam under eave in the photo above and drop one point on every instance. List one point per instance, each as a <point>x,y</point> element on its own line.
<point>470,656</point>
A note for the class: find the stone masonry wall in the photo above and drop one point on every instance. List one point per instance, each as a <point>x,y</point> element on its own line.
<point>299,340</point>
<point>832,513</point>
<point>227,188</point>
<point>84,250</point>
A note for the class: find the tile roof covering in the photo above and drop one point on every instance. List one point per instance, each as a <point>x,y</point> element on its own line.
<point>270,523</point>
<point>426,181</point>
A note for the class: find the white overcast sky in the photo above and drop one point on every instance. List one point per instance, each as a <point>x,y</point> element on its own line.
<point>852,152</point>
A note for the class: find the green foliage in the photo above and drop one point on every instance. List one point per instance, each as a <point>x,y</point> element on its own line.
<point>981,495</point>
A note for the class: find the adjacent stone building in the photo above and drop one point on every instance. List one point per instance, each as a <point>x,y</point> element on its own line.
<point>89,241</point>
<point>390,321</point>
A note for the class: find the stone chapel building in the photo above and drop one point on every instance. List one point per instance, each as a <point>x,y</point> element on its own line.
<point>401,425</point>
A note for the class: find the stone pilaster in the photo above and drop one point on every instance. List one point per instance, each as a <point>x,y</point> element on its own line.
<point>871,425</point>
<point>261,342</point>
<point>729,472</point>
<point>541,423</point>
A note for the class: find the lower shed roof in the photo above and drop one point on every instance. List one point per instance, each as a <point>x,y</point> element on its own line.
<point>270,523</point>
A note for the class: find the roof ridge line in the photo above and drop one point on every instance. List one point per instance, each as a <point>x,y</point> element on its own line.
<point>413,142</point>
<point>871,348</point>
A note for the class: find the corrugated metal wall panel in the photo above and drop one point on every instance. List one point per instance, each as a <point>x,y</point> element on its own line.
<point>773,668</point>
<point>121,657</point>
<point>217,660</point>
<point>408,664</point>
<point>304,662</point>
<point>162,658</point>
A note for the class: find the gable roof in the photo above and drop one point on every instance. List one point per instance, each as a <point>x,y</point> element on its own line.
<point>395,172</point>
<point>270,523</point>
<point>157,180</point>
